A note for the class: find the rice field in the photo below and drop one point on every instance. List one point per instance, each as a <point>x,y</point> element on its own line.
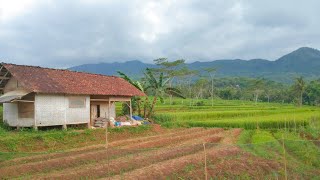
<point>236,114</point>
<point>229,140</point>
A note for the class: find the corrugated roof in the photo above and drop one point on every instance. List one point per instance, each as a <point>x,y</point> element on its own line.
<point>59,81</point>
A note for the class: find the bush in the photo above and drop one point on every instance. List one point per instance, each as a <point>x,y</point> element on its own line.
<point>200,103</point>
<point>126,109</point>
<point>174,103</point>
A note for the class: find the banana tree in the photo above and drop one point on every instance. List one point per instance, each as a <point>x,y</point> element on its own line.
<point>139,85</point>
<point>159,87</point>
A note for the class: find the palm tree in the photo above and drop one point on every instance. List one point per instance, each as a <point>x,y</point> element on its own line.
<point>299,87</point>
<point>159,88</point>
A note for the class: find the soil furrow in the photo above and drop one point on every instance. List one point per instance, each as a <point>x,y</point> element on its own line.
<point>157,142</point>
<point>124,164</point>
<point>88,149</point>
<point>163,169</point>
<point>86,158</point>
<point>166,168</point>
<point>148,138</point>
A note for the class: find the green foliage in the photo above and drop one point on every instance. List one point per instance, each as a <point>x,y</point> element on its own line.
<point>313,93</point>
<point>245,137</point>
<point>162,118</point>
<point>299,154</point>
<point>299,88</point>
<point>15,143</point>
<point>189,167</point>
<point>139,85</point>
<point>125,108</point>
<point>200,103</point>
<point>159,87</point>
<point>302,150</point>
<point>238,114</point>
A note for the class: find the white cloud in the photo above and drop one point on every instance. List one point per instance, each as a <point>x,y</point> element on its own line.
<point>64,33</point>
<point>9,9</point>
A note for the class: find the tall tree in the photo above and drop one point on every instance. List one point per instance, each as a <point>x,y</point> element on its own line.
<point>211,72</point>
<point>257,86</point>
<point>313,92</point>
<point>299,87</point>
<point>170,70</point>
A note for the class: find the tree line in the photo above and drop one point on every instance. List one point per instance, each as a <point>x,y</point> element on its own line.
<point>173,78</point>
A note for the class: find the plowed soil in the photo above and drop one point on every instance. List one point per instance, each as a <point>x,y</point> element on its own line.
<point>171,155</point>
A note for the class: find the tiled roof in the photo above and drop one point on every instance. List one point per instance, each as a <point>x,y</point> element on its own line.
<point>58,81</point>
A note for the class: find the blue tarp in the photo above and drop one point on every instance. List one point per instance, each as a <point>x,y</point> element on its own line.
<point>138,118</point>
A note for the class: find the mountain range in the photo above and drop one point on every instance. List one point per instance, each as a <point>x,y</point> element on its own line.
<point>304,61</point>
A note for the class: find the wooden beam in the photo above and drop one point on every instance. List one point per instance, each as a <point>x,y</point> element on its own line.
<point>4,76</point>
<point>120,98</point>
<point>6,73</point>
<point>105,100</point>
<point>1,77</point>
<point>1,68</point>
<point>23,101</point>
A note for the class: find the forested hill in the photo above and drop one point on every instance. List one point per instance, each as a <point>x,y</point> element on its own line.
<point>303,61</point>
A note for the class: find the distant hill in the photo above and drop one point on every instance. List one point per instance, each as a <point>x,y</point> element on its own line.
<point>303,61</point>
<point>132,68</point>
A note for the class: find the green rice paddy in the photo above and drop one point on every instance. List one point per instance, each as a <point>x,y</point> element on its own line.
<point>236,114</point>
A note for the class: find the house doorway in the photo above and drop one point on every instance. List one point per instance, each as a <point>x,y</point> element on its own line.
<point>95,111</point>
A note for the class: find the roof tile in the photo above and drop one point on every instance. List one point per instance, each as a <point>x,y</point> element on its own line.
<point>47,80</point>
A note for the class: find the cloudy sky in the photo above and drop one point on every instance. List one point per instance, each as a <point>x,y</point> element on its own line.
<point>63,33</point>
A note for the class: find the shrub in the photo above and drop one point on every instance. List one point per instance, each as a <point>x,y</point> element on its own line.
<point>200,103</point>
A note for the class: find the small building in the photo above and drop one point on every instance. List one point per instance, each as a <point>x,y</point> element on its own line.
<point>36,97</point>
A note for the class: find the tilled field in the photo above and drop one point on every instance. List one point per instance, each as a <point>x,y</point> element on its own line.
<point>171,155</point>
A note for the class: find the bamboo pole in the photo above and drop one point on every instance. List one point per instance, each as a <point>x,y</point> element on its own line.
<point>130,111</point>
<point>205,161</point>
<point>107,123</point>
<point>284,159</point>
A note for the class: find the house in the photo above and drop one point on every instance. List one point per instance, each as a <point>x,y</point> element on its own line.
<point>36,97</point>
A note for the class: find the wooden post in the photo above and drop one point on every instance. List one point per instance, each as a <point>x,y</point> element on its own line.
<point>35,127</point>
<point>205,161</point>
<point>64,127</point>
<point>107,123</point>
<point>130,107</point>
<point>284,159</point>
<point>108,110</point>
<point>295,125</point>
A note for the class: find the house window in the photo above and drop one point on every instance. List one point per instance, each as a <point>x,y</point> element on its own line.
<point>77,102</point>
<point>25,110</point>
